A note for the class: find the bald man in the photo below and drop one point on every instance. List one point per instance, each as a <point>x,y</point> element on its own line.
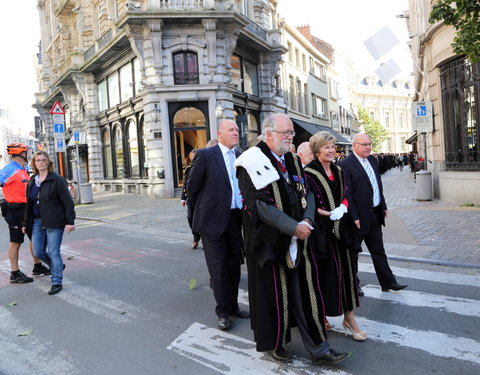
<point>304,153</point>
<point>213,188</point>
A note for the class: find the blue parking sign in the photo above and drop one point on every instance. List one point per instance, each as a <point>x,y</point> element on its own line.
<point>421,110</point>
<point>60,143</point>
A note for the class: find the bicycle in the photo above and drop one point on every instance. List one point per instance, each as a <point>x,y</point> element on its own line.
<point>74,191</point>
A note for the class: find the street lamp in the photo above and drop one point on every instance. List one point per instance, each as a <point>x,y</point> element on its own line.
<point>219,111</point>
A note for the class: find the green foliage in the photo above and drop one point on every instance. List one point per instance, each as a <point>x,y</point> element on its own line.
<point>373,128</point>
<point>464,16</point>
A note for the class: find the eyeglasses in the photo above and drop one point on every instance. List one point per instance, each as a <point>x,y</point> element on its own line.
<point>365,144</point>
<point>40,160</point>
<point>285,133</point>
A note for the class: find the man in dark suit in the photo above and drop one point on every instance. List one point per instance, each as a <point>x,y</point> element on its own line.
<point>213,188</point>
<point>366,205</point>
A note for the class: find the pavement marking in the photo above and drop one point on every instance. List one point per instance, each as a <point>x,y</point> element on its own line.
<point>435,343</point>
<point>462,306</point>
<point>29,354</point>
<point>97,303</point>
<point>433,276</point>
<point>230,354</point>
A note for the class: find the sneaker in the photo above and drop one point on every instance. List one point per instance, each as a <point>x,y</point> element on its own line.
<point>20,278</point>
<point>41,270</point>
<point>55,289</point>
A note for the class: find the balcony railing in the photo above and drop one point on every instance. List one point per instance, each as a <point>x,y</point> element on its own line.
<point>181,4</point>
<point>186,78</point>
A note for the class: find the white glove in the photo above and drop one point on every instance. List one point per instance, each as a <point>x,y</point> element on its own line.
<point>338,212</point>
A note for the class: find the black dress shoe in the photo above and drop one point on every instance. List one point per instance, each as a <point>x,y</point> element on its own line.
<point>224,323</point>
<point>394,286</point>
<point>55,289</point>
<point>329,357</point>
<point>241,314</point>
<point>360,292</point>
<point>280,355</point>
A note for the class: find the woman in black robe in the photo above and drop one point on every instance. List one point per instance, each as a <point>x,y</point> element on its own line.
<point>338,282</point>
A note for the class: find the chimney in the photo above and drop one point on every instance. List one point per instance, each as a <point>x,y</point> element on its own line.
<point>305,31</point>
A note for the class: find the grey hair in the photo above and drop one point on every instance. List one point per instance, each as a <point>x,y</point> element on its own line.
<point>270,121</point>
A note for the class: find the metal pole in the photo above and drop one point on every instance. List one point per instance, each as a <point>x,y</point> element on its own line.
<point>79,171</point>
<point>425,150</point>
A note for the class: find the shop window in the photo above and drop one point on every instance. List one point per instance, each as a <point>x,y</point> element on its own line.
<point>133,148</point>
<point>137,76</point>
<point>107,154</point>
<point>119,161</point>
<point>113,90</point>
<point>102,96</point>
<point>185,66</point>
<point>126,82</point>
<point>460,89</point>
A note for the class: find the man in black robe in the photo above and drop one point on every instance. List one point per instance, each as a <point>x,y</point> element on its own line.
<point>278,214</point>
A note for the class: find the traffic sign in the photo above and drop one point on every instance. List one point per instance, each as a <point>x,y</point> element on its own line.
<point>60,145</point>
<point>57,109</point>
<point>59,128</point>
<point>422,117</point>
<point>76,137</point>
<point>58,119</point>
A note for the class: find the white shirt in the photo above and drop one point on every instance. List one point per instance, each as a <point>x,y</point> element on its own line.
<point>366,164</point>
<point>226,160</point>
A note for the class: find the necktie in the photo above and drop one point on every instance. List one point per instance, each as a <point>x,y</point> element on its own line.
<point>373,181</point>
<point>281,165</point>
<point>236,199</point>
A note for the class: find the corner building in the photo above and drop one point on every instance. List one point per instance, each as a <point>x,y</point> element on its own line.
<point>145,82</point>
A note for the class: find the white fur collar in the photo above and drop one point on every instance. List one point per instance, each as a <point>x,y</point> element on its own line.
<point>258,167</point>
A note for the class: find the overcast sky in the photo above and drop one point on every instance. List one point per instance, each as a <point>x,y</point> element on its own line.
<point>19,37</point>
<point>346,24</point>
<point>342,23</point>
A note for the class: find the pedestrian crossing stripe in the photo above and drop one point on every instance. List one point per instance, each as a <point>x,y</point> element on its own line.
<point>230,354</point>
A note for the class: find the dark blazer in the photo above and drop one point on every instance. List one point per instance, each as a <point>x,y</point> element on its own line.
<point>56,204</point>
<point>360,191</point>
<point>209,189</point>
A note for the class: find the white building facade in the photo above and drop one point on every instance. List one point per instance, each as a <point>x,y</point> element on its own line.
<point>145,82</point>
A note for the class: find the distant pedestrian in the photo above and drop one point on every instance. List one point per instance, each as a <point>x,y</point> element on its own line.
<point>185,201</point>
<point>213,189</point>
<point>212,142</point>
<point>13,180</point>
<point>50,211</point>
<point>368,208</point>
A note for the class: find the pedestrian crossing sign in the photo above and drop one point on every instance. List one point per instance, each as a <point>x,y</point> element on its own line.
<point>57,109</point>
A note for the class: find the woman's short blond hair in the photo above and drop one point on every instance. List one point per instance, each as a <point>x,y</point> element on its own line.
<point>49,161</point>
<point>320,139</point>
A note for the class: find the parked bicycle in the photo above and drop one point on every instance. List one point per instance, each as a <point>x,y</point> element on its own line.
<point>74,191</point>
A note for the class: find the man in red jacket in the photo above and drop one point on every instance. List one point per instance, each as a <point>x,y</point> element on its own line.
<point>13,180</point>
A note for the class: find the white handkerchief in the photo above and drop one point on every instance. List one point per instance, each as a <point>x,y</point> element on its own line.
<point>293,249</point>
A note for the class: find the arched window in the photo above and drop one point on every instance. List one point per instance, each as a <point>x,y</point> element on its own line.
<point>107,154</point>
<point>185,68</point>
<point>118,145</point>
<point>133,149</point>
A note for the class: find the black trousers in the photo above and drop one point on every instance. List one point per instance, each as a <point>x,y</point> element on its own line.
<point>374,242</point>
<point>223,257</point>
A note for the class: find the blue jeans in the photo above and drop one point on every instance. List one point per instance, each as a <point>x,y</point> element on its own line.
<point>46,247</point>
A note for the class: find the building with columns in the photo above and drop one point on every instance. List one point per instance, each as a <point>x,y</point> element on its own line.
<point>390,103</point>
<point>145,82</point>
<point>451,83</point>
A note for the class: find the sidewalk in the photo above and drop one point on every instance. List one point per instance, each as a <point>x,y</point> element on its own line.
<point>431,231</point>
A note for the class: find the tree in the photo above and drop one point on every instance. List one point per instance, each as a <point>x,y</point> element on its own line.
<point>464,16</point>
<point>372,128</point>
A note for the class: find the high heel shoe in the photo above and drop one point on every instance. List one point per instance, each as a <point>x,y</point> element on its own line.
<point>357,336</point>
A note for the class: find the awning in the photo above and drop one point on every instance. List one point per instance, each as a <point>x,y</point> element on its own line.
<point>83,139</point>
<point>412,139</point>
<point>313,128</point>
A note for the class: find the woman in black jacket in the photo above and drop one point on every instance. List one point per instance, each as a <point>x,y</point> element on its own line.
<point>49,211</point>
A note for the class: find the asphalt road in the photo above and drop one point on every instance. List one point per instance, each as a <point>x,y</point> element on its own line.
<point>127,308</point>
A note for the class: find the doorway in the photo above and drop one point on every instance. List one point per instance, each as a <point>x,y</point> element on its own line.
<point>189,127</point>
